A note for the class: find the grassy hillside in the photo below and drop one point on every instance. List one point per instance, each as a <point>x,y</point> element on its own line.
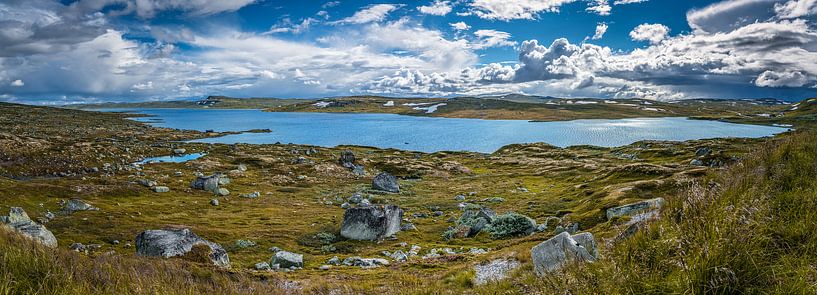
<point>749,229</point>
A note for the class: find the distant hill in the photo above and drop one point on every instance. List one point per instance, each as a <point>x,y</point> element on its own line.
<point>216,102</point>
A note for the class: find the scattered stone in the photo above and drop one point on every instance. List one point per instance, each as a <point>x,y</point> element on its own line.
<point>19,221</point>
<point>74,205</point>
<point>477,251</point>
<point>252,195</point>
<point>414,251</point>
<point>287,259</point>
<point>179,151</point>
<point>703,152</point>
<point>177,242</point>
<point>223,192</point>
<point>399,255</point>
<point>274,249</point>
<point>459,198</point>
<point>359,170</point>
<point>147,183</point>
<point>242,168</point>
<point>365,262</point>
<point>161,189</point>
<point>494,271</point>
<point>356,198</point>
<point>79,247</point>
<point>386,182</point>
<point>243,244</point>
<point>224,180</point>
<point>214,202</point>
<point>494,200</point>
<point>407,227</point>
<point>638,207</point>
<point>325,267</point>
<point>178,173</point>
<point>345,205</point>
<point>371,223</point>
<point>262,266</point>
<point>697,162</point>
<point>438,213</point>
<point>365,203</point>
<point>552,254</point>
<point>334,261</point>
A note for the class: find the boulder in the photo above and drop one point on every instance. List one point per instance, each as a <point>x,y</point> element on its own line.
<point>347,159</point>
<point>214,202</point>
<point>386,182</point>
<point>639,207</point>
<point>223,192</point>
<point>334,261</point>
<point>177,242</point>
<point>74,205</point>
<point>553,254</point>
<point>495,270</point>
<point>206,183</point>
<point>147,183</point>
<point>472,221</point>
<point>371,223</point>
<point>18,221</point>
<point>285,259</point>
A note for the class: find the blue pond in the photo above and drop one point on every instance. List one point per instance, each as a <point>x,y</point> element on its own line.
<point>171,159</point>
<point>438,134</point>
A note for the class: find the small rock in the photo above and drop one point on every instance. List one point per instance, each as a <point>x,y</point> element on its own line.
<point>214,202</point>
<point>75,205</point>
<point>147,183</point>
<point>262,266</point>
<point>179,151</point>
<point>252,195</point>
<point>334,261</point>
<point>325,267</point>
<point>459,198</point>
<point>223,192</point>
<point>161,189</point>
<point>287,259</point>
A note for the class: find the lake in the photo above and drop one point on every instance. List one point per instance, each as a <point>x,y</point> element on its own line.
<point>438,134</point>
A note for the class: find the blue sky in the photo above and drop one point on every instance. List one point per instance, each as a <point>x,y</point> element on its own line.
<point>56,52</point>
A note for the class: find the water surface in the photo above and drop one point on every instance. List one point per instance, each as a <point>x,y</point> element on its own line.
<point>438,134</point>
<point>171,158</point>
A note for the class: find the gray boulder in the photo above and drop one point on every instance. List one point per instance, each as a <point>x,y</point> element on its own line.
<point>223,192</point>
<point>634,208</point>
<point>74,205</point>
<point>495,270</point>
<point>472,221</point>
<point>177,242</point>
<point>207,183</point>
<point>287,259</point>
<point>553,254</point>
<point>371,223</point>
<point>147,183</point>
<point>386,182</point>
<point>347,159</point>
<point>18,221</point>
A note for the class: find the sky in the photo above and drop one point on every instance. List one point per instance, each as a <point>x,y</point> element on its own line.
<point>61,52</point>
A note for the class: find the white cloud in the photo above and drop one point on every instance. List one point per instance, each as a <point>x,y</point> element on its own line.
<point>372,13</point>
<point>492,38</point>
<point>288,27</point>
<point>460,26</point>
<point>784,79</point>
<point>622,2</point>
<point>728,15</point>
<point>150,8</point>
<point>17,83</point>
<point>796,8</point>
<point>654,33</point>
<point>515,9</point>
<point>600,7</point>
<point>439,8</point>
<point>601,29</point>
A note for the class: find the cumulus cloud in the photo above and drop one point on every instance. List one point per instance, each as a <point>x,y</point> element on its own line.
<point>784,79</point>
<point>622,2</point>
<point>654,33</point>
<point>460,26</point>
<point>369,14</point>
<point>600,7</point>
<point>17,83</point>
<point>728,15</point>
<point>601,29</point>
<point>439,8</point>
<point>517,9</point>
<point>796,8</point>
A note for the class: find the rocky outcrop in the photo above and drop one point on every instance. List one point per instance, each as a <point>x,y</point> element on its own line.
<point>496,270</point>
<point>18,221</point>
<point>553,254</point>
<point>635,208</point>
<point>386,182</point>
<point>286,259</point>
<point>347,159</point>
<point>177,242</point>
<point>371,222</point>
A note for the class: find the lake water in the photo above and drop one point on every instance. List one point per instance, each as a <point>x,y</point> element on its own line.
<point>438,134</point>
<point>172,159</point>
